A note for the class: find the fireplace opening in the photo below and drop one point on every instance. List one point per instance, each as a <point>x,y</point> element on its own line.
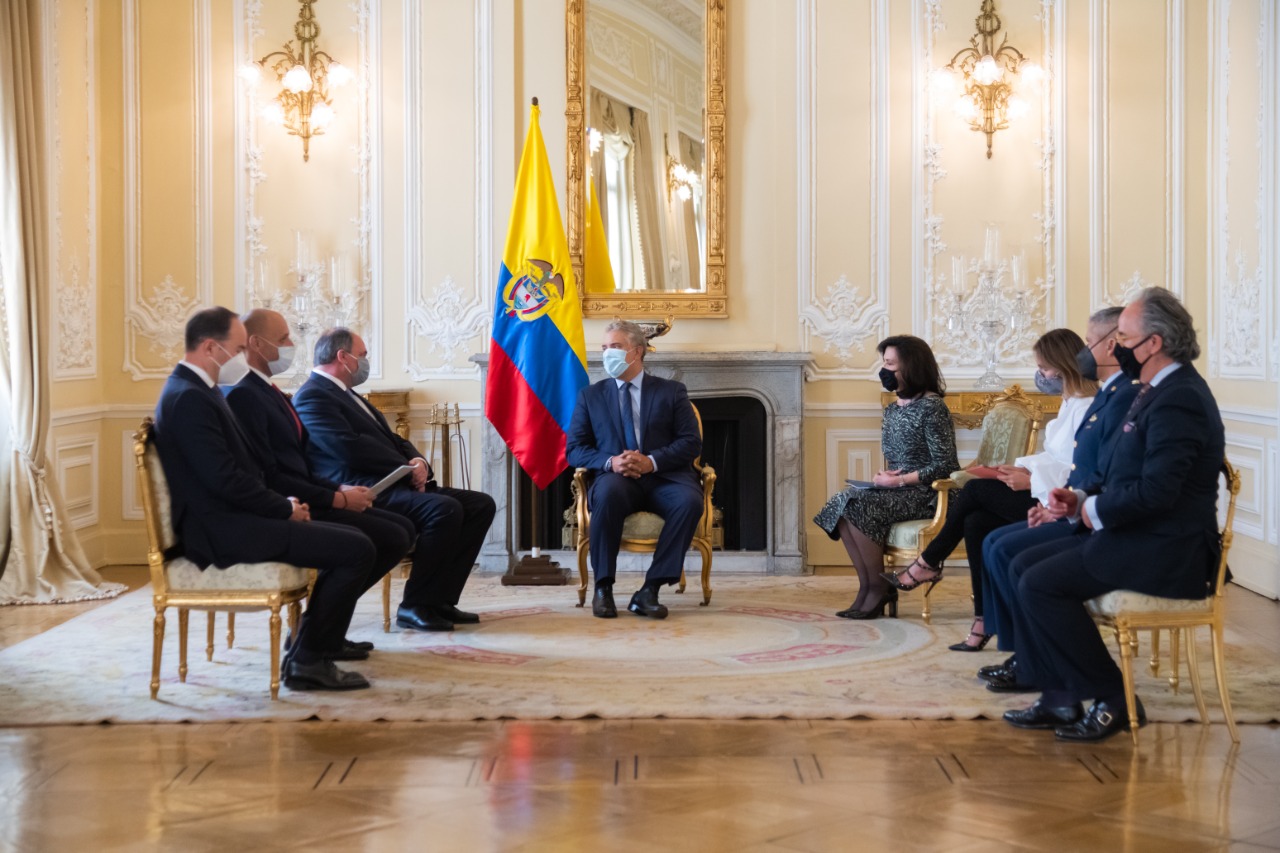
<point>734,436</point>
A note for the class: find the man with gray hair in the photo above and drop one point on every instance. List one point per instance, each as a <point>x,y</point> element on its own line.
<point>1149,525</point>
<point>639,434</point>
<point>351,442</point>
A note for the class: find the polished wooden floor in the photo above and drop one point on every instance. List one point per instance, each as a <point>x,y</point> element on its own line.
<point>649,785</point>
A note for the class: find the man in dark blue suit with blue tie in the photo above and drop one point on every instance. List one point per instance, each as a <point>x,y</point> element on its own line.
<point>351,442</point>
<point>1150,525</point>
<point>1001,546</point>
<point>640,435</point>
<point>277,435</point>
<point>225,513</point>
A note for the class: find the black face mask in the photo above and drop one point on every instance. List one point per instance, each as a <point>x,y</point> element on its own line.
<point>888,380</point>
<point>1087,364</point>
<point>1128,361</point>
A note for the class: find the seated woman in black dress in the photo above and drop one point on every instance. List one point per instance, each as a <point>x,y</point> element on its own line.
<point>919,445</point>
<point>986,504</point>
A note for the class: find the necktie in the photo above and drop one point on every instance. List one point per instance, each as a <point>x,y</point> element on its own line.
<point>1135,407</point>
<point>297,424</point>
<point>628,420</point>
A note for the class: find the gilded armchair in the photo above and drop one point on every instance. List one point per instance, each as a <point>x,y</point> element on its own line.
<point>1011,422</point>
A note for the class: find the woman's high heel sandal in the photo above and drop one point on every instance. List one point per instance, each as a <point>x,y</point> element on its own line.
<point>964,646</point>
<point>895,579</point>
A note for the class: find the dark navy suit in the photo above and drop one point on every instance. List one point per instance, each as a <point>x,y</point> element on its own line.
<point>277,436</point>
<point>667,430</point>
<point>351,442</point>
<point>1157,501</point>
<point>225,513</point>
<point>1002,545</point>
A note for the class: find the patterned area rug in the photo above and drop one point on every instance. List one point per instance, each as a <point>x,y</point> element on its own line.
<point>766,647</point>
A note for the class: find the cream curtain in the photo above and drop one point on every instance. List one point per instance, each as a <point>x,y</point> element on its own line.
<point>691,156</point>
<point>631,125</point>
<point>42,561</point>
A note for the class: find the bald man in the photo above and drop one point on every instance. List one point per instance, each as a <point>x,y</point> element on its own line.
<point>279,440</point>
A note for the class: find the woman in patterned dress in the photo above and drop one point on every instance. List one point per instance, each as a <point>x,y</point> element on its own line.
<point>919,445</point>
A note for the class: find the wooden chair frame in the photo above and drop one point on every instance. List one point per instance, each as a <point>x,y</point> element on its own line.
<point>701,534</point>
<point>1126,623</point>
<point>1013,396</point>
<point>230,601</point>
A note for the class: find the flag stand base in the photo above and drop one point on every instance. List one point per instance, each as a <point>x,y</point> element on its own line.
<point>536,571</point>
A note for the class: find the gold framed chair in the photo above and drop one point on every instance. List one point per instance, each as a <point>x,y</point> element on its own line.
<point>641,529</point>
<point>182,584</point>
<point>1011,421</point>
<point>1126,613</point>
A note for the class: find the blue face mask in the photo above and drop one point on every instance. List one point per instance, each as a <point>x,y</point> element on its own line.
<point>1045,385</point>
<point>615,362</point>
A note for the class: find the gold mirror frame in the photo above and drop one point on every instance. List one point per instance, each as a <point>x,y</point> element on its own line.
<point>713,301</point>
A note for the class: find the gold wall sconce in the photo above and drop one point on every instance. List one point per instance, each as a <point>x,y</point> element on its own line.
<point>985,76</point>
<point>303,105</point>
<point>681,180</point>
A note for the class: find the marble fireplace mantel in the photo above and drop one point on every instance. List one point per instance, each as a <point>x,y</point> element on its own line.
<point>776,379</point>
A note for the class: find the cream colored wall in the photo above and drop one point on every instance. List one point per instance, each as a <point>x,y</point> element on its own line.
<point>1149,157</point>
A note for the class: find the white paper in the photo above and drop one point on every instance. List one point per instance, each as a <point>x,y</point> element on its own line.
<point>390,480</point>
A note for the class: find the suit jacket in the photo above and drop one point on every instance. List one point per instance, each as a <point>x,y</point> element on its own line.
<point>1158,495</point>
<point>223,511</point>
<point>1101,421</point>
<point>266,418</point>
<point>345,444</point>
<point>668,427</point>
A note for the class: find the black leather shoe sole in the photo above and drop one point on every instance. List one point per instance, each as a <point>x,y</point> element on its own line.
<point>1041,717</point>
<point>323,677</point>
<point>363,645</point>
<point>659,612</point>
<point>349,653</point>
<point>604,612</point>
<point>456,616</point>
<point>419,625</point>
<point>1010,686</point>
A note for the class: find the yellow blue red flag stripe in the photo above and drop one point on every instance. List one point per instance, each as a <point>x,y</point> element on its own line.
<point>537,358</point>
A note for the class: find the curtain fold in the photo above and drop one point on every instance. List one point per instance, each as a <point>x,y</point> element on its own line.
<point>41,560</point>
<point>630,126</point>
<point>690,154</point>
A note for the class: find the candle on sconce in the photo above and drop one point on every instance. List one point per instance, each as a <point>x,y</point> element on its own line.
<point>957,274</point>
<point>1018,270</point>
<point>991,246</point>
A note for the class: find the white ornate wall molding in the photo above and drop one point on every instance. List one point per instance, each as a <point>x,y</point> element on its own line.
<point>1243,279</point>
<point>958,349</point>
<point>443,321</point>
<point>74,322</point>
<point>250,227</point>
<point>72,452</point>
<point>157,320</point>
<point>1126,292</point>
<point>1175,143</point>
<point>842,319</point>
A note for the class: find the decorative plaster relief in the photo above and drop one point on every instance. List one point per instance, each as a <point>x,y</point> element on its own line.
<point>161,320</point>
<point>844,320</point>
<point>613,47</point>
<point>447,324</point>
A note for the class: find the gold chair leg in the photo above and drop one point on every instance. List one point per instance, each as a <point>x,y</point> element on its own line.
<point>295,617</point>
<point>157,645</point>
<point>1126,672</point>
<point>681,586</point>
<point>1175,655</point>
<point>231,629</point>
<point>1193,666</point>
<point>705,548</point>
<point>386,603</point>
<point>208,644</point>
<point>582,571</point>
<point>1154,662</point>
<point>275,652</point>
<point>1220,674</point>
<point>183,617</point>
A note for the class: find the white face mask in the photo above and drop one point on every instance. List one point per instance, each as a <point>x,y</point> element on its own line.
<point>282,361</point>
<point>233,369</point>
<point>615,362</point>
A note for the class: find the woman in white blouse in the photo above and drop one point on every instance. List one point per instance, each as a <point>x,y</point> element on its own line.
<point>986,504</point>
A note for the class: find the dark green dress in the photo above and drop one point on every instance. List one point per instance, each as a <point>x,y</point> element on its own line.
<point>918,437</point>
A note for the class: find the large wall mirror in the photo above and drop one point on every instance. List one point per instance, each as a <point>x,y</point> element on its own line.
<point>646,121</point>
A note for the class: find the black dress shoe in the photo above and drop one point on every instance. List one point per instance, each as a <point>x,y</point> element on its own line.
<point>986,672</point>
<point>1009,683</point>
<point>363,645</point>
<point>421,619</point>
<point>454,615</point>
<point>1041,716</point>
<point>602,603</point>
<point>322,675</point>
<point>1102,720</point>
<point>645,603</point>
<point>350,651</point>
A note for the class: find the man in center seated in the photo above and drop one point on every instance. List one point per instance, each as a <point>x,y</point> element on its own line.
<point>350,442</point>
<point>639,434</point>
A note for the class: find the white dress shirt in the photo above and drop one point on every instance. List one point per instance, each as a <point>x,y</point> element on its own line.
<point>1051,467</point>
<point>635,414</point>
<point>198,371</point>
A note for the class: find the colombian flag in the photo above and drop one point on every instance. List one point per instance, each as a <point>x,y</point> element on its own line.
<point>537,359</point>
